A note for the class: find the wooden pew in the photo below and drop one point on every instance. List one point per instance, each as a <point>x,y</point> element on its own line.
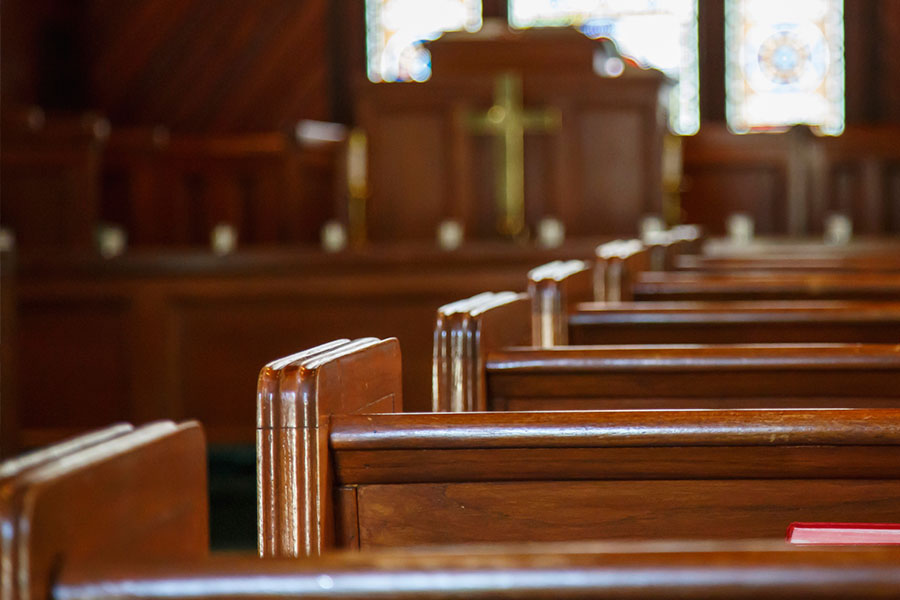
<point>561,314</point>
<point>12,485</point>
<point>103,519</point>
<point>564,311</point>
<point>835,275</point>
<point>393,480</point>
<point>511,375</point>
<point>138,495</point>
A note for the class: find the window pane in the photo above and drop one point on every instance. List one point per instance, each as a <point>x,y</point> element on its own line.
<point>784,64</point>
<point>396,28</point>
<point>661,34</point>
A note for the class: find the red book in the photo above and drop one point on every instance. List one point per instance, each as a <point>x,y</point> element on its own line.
<point>847,534</point>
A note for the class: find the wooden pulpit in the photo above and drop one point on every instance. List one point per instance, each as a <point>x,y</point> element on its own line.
<point>514,127</point>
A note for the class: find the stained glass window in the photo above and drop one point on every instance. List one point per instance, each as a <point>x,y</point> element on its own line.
<point>654,33</point>
<point>784,64</point>
<point>396,29</point>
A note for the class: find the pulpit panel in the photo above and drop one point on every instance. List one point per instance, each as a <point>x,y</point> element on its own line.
<point>410,189</point>
<point>492,136</point>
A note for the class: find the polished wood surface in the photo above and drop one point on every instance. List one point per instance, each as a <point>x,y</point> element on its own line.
<point>531,572</point>
<point>734,322</point>
<point>295,397</point>
<point>486,477</point>
<point>715,376</point>
<point>552,287</point>
<point>154,482</point>
<point>14,484</point>
<point>134,549</point>
<point>463,332</point>
<point>703,354</point>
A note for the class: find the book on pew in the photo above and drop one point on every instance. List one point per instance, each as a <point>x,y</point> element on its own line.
<point>843,533</point>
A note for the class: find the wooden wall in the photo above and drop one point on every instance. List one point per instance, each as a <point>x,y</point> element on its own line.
<point>194,65</point>
<point>255,65</point>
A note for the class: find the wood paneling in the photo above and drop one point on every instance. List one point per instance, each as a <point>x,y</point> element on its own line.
<point>208,65</point>
<point>449,513</point>
<point>183,335</point>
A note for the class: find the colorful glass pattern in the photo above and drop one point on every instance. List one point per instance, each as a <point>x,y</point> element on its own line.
<point>660,34</point>
<point>784,64</point>
<point>395,30</point>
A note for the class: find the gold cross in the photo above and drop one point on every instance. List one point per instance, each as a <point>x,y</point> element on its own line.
<point>508,121</point>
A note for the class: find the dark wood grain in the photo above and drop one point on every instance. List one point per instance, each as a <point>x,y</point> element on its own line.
<point>587,570</point>
<point>431,514</point>
<point>825,375</point>
<point>465,477</point>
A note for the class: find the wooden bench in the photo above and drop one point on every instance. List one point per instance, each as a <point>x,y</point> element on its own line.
<point>390,480</point>
<point>112,495</point>
<point>627,268</point>
<point>562,314</point>
<point>504,372</point>
<point>103,514</point>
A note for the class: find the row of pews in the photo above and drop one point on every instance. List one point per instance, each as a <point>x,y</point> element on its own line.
<point>121,513</point>
<point>555,461</point>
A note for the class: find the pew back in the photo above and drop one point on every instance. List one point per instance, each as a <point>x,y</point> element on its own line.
<point>135,495</point>
<point>734,322</point>
<point>295,397</point>
<point>690,285</point>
